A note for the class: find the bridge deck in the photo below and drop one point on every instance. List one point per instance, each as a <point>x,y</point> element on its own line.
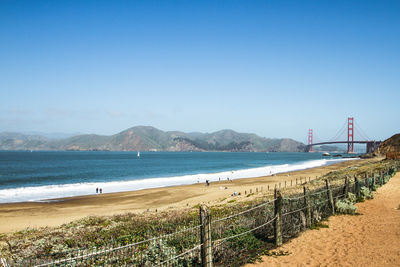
<point>344,142</point>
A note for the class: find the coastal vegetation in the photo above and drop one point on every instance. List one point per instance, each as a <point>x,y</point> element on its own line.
<point>180,226</point>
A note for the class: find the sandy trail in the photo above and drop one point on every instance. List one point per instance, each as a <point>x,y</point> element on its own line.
<point>371,239</point>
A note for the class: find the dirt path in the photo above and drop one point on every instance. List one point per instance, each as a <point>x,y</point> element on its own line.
<point>371,239</point>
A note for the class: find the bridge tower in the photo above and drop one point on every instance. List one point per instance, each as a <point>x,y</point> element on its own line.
<point>350,135</point>
<point>310,140</point>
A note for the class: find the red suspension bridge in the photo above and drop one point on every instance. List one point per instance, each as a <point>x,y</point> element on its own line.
<point>371,145</point>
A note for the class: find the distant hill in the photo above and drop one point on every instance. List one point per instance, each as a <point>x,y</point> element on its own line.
<point>390,146</point>
<point>147,138</point>
<point>327,148</point>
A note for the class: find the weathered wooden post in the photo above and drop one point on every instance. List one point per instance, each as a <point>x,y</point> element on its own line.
<point>373,181</point>
<point>330,198</point>
<point>307,204</point>
<point>346,186</point>
<point>205,235</point>
<point>382,175</point>
<point>278,218</point>
<point>357,187</point>
<point>291,182</point>
<point>367,182</point>
<point>296,181</point>
<point>285,184</point>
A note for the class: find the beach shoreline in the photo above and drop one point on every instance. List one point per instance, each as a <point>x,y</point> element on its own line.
<point>18,216</point>
<point>48,192</point>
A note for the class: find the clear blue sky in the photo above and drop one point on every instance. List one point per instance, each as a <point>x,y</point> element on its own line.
<point>274,68</point>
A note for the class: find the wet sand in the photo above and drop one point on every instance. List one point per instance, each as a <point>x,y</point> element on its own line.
<point>18,216</point>
<point>370,239</point>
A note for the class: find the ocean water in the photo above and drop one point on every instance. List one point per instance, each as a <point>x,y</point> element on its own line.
<point>41,175</point>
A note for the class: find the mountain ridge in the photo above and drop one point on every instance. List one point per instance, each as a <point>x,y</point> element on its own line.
<point>149,138</point>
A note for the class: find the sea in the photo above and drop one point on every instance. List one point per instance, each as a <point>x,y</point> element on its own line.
<point>48,175</point>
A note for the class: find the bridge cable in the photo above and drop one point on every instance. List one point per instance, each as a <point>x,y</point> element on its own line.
<point>339,133</point>
<point>361,132</point>
<point>316,139</point>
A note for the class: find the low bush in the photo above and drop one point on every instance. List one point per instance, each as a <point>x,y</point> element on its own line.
<point>318,226</point>
<point>351,197</point>
<point>345,206</point>
<point>365,193</point>
<point>159,252</point>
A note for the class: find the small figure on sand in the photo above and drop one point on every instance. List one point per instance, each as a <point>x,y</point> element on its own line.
<point>207,183</point>
<point>101,191</point>
<point>97,190</point>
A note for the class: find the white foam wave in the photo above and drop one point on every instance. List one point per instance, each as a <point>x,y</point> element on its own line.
<point>41,193</point>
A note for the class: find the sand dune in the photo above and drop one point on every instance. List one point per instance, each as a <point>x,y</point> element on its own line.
<point>370,239</point>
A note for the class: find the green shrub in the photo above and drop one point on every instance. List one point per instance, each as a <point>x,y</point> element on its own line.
<point>318,226</point>
<point>159,252</point>
<point>365,193</point>
<point>351,197</point>
<point>345,206</point>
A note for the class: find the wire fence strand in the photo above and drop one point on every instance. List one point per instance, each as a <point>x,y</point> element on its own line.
<point>184,246</point>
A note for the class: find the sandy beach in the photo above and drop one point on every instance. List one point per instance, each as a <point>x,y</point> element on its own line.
<point>369,239</point>
<point>18,216</point>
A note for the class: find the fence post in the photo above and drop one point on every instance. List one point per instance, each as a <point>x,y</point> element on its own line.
<point>308,207</point>
<point>205,235</point>
<point>278,217</point>
<point>367,182</point>
<point>346,186</point>
<point>357,185</point>
<point>373,181</point>
<point>330,198</point>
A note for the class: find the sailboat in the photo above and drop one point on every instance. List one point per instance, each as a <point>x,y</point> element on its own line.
<point>138,154</point>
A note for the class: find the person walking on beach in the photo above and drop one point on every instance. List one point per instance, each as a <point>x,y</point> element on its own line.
<point>97,190</point>
<point>101,191</point>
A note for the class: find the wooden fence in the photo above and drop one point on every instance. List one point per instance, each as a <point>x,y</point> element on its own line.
<point>216,241</point>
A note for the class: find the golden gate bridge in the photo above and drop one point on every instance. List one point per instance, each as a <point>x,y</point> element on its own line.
<point>371,145</point>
